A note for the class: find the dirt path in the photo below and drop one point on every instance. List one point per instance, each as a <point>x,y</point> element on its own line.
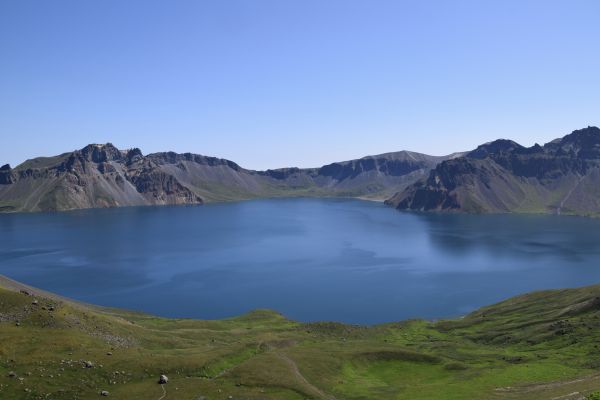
<point>574,389</point>
<point>164,392</point>
<point>312,389</point>
<point>292,364</point>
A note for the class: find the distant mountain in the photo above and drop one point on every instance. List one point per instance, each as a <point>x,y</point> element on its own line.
<point>104,176</point>
<point>562,176</point>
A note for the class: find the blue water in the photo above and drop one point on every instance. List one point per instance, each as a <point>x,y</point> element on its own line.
<point>311,259</point>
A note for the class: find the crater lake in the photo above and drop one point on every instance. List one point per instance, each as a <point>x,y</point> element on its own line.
<point>310,259</point>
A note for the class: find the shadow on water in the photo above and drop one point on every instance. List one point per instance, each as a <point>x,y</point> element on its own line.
<point>528,236</point>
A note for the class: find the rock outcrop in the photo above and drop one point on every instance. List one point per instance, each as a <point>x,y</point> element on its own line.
<point>6,175</point>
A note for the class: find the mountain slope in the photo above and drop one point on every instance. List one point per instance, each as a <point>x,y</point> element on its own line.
<point>104,176</point>
<point>562,176</point>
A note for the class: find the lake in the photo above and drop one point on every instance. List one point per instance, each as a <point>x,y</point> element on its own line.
<point>310,259</point>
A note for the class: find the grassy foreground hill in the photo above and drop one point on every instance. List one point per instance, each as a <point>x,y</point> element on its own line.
<point>542,345</point>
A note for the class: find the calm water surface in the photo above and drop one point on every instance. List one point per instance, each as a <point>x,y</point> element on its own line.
<point>311,259</point>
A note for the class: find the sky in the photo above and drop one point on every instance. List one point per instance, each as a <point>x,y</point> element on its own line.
<point>295,82</point>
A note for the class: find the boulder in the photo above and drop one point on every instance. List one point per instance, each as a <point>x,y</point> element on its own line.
<point>104,393</point>
<point>163,379</point>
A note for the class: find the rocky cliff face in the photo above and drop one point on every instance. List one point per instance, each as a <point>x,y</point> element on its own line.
<point>95,176</point>
<point>562,176</point>
<point>6,175</point>
<point>104,176</point>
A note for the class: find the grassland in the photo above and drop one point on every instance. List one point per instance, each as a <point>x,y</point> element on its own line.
<point>542,345</point>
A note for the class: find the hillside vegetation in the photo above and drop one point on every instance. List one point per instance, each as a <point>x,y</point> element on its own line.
<point>541,345</point>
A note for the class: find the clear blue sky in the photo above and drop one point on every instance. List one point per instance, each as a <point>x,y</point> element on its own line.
<point>285,82</point>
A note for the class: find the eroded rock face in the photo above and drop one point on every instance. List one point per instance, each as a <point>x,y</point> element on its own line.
<point>6,175</point>
<point>101,153</point>
<point>163,188</point>
<point>106,168</point>
<point>436,192</point>
<point>133,156</point>
<point>95,176</point>
<point>91,156</point>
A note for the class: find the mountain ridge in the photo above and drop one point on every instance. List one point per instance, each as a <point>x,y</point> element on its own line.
<point>101,175</point>
<point>562,176</point>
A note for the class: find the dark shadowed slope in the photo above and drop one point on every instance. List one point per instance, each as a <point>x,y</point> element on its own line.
<point>104,176</point>
<point>562,176</point>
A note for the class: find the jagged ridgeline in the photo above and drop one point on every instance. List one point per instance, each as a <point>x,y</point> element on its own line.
<point>104,176</point>
<point>562,176</point>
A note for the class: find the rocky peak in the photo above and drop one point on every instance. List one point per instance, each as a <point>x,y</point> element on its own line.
<point>101,153</point>
<point>133,155</point>
<point>583,143</point>
<point>588,135</point>
<point>496,147</point>
<point>6,175</point>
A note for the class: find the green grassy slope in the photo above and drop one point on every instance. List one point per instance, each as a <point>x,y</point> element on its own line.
<point>42,162</point>
<point>537,346</point>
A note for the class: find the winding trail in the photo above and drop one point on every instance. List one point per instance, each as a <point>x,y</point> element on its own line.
<point>294,367</point>
<point>309,387</point>
<point>572,389</point>
<point>164,392</point>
